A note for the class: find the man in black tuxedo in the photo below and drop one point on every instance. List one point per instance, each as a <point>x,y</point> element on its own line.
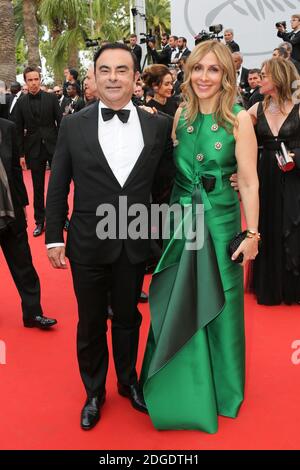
<point>241,72</point>
<point>136,50</point>
<point>110,150</point>
<point>16,93</point>
<point>13,235</point>
<point>38,117</point>
<point>293,37</point>
<point>164,56</point>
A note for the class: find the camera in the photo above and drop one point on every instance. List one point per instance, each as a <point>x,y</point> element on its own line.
<point>92,42</point>
<point>149,37</point>
<point>281,23</point>
<point>213,33</point>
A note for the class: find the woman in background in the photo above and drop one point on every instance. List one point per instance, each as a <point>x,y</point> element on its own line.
<point>276,271</point>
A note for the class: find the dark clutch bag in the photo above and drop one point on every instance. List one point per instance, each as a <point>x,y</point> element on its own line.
<point>234,244</point>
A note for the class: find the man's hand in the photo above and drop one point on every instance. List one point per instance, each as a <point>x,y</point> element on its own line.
<point>281,28</point>
<point>23,163</point>
<point>234,181</point>
<point>57,257</point>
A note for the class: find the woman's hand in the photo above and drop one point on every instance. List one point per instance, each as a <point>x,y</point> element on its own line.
<point>249,248</point>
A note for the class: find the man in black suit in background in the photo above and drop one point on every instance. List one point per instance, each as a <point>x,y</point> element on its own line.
<point>38,117</point>
<point>16,93</point>
<point>136,49</point>
<point>110,149</point>
<point>13,235</point>
<point>228,37</point>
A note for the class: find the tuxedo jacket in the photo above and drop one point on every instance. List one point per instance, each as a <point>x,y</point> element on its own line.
<point>10,159</point>
<point>137,51</point>
<point>79,157</point>
<point>163,57</point>
<point>294,39</point>
<point>44,130</point>
<point>12,116</point>
<point>244,78</point>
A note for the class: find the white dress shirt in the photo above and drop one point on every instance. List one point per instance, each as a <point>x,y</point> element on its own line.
<point>13,103</point>
<point>122,144</point>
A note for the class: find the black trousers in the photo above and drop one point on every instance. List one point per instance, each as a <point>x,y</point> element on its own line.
<point>38,169</point>
<point>91,284</point>
<point>17,253</point>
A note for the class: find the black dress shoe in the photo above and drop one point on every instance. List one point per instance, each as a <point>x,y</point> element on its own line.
<point>90,413</point>
<point>110,313</point>
<point>39,322</point>
<point>143,297</point>
<point>135,395</point>
<point>38,230</point>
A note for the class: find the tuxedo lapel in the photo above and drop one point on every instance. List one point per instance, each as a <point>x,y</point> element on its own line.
<point>89,129</point>
<point>148,125</point>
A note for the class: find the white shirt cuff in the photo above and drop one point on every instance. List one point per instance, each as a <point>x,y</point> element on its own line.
<point>54,245</point>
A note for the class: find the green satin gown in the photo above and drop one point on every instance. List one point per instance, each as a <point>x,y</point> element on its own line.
<point>194,363</point>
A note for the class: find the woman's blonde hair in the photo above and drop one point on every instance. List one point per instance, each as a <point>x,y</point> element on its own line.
<point>228,91</point>
<point>283,74</point>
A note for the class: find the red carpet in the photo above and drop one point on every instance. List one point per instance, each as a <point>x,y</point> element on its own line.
<point>41,393</point>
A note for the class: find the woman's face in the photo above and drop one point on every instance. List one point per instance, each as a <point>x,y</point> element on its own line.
<point>266,85</point>
<point>206,78</point>
<point>165,89</point>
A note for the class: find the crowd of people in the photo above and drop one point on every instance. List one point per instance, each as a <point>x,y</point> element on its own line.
<point>195,128</point>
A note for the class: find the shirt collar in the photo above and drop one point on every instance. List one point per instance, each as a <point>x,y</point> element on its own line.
<point>129,106</point>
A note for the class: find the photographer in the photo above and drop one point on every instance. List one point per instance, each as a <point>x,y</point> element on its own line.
<point>163,57</point>
<point>228,37</point>
<point>293,37</point>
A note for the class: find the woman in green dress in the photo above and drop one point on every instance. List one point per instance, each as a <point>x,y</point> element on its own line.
<point>193,368</point>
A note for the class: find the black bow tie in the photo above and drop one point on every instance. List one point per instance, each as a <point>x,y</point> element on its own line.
<point>123,114</point>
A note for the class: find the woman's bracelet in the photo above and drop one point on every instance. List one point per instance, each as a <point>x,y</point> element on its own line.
<point>253,234</point>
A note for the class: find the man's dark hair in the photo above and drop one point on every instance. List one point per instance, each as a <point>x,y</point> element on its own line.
<point>165,35</point>
<point>115,46</point>
<point>174,37</point>
<point>75,86</point>
<point>15,87</point>
<point>74,73</point>
<point>133,36</point>
<point>31,69</point>
<point>251,71</point>
<point>183,39</point>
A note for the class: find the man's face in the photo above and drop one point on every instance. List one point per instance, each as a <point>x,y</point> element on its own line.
<point>66,73</point>
<point>295,23</point>
<point>58,91</point>
<point>253,80</point>
<point>133,41</point>
<point>90,86</point>
<point>33,81</point>
<point>115,77</point>
<point>138,91</point>
<point>181,44</point>
<point>228,36</point>
<point>164,40</point>
<point>237,62</point>
<point>71,91</point>
<point>275,54</point>
<point>173,44</point>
